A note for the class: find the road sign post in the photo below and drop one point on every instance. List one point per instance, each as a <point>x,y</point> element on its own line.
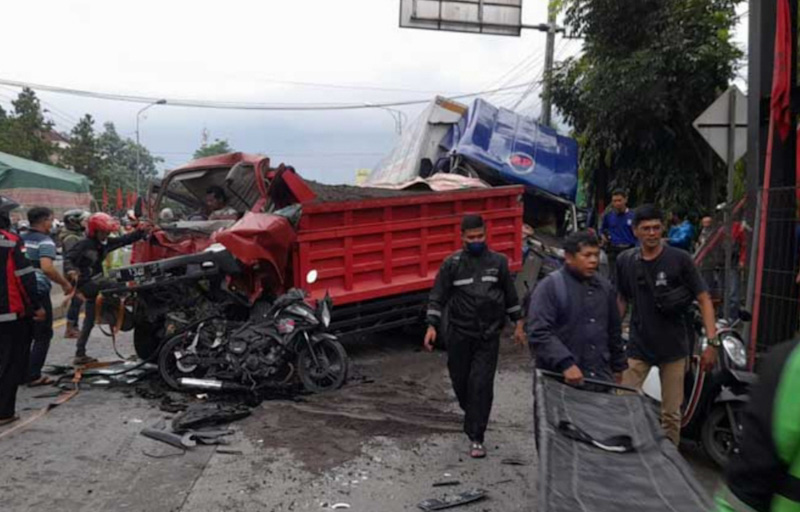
<point>724,126</point>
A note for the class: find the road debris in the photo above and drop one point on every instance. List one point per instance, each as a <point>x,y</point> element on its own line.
<point>446,483</point>
<point>514,461</point>
<point>201,415</point>
<point>455,500</point>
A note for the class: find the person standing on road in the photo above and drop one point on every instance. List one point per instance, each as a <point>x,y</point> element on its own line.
<point>87,257</point>
<point>72,233</point>
<point>574,325</point>
<point>764,473</point>
<point>617,230</point>
<point>475,286</point>
<point>661,283</point>
<point>18,300</point>
<point>41,251</point>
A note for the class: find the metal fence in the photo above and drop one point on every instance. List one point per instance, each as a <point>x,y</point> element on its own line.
<point>775,264</point>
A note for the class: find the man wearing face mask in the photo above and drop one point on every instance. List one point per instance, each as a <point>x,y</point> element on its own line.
<point>475,286</point>
<point>87,257</point>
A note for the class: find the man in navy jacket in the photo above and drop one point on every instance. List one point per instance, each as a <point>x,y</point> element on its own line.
<point>574,326</point>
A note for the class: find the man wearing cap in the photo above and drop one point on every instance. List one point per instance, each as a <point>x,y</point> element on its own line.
<point>475,288</point>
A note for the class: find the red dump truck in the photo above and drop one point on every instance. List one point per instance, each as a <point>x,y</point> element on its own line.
<point>376,252</point>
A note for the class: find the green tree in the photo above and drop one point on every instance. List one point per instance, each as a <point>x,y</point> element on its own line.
<point>218,147</point>
<point>649,68</point>
<point>118,164</point>
<point>22,133</point>
<point>82,155</point>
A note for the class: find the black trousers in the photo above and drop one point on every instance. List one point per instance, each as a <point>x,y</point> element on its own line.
<point>472,362</point>
<point>42,335</point>
<point>15,348</point>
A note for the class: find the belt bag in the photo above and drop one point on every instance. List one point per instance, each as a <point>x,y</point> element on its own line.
<point>670,303</point>
<point>675,301</point>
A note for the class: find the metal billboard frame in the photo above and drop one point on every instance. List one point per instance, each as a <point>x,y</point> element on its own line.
<point>468,16</point>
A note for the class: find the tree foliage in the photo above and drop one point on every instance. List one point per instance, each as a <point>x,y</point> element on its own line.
<point>218,147</point>
<point>22,132</point>
<point>649,68</point>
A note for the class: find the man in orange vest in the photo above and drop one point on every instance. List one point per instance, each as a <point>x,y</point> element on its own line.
<point>18,304</point>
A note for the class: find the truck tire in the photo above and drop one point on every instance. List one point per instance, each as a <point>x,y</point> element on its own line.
<point>145,340</point>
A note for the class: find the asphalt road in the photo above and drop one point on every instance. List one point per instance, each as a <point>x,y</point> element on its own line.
<point>377,444</point>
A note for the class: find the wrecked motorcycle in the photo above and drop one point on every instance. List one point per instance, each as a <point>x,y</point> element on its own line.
<point>288,342</point>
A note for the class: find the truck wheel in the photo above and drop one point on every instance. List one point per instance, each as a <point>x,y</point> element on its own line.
<point>145,340</point>
<point>325,369</point>
<point>717,433</point>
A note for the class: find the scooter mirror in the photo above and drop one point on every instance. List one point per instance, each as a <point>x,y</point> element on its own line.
<point>745,316</point>
<point>312,276</point>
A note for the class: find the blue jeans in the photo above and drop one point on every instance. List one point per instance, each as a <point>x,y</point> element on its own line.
<point>42,334</point>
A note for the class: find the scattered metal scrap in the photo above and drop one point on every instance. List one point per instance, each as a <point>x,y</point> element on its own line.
<point>446,483</point>
<point>201,415</point>
<point>455,500</point>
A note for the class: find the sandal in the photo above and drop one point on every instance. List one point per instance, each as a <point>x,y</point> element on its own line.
<point>477,451</point>
<point>6,421</point>
<point>44,380</point>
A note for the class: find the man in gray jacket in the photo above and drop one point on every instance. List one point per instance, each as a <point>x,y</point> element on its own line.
<point>574,326</point>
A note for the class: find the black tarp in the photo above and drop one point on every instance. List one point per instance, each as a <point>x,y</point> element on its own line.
<point>575,476</point>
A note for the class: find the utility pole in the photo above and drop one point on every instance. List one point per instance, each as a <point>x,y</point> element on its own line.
<point>549,57</point>
<point>138,145</point>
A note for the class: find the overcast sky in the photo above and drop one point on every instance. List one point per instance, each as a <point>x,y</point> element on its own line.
<point>347,51</point>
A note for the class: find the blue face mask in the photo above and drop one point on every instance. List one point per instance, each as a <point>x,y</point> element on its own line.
<point>476,248</point>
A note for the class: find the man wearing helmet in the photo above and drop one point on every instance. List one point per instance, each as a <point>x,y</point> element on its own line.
<point>73,232</point>
<point>87,258</point>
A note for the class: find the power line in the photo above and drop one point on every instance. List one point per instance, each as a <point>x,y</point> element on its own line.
<point>225,105</point>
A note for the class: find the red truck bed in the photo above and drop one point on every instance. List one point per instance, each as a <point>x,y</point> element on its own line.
<point>375,248</point>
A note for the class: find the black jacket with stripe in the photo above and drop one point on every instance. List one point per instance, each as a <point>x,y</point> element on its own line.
<point>477,292</point>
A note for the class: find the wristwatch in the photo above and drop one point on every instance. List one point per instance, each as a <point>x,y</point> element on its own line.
<point>715,342</point>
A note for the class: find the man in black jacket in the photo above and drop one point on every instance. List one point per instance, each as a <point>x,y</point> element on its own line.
<point>573,322</point>
<point>475,286</point>
<point>87,257</point>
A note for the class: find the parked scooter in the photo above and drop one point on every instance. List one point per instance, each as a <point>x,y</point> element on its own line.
<point>714,401</point>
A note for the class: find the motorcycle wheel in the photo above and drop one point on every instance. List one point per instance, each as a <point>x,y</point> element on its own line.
<point>330,370</point>
<point>145,340</point>
<point>717,433</point>
<point>168,365</point>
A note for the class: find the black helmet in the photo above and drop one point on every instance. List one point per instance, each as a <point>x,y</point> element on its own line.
<point>73,219</point>
<point>6,206</point>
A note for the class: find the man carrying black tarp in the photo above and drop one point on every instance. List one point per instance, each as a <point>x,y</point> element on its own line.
<point>475,286</point>
<point>573,323</point>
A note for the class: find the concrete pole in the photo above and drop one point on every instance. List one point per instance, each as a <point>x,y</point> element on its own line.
<point>547,99</point>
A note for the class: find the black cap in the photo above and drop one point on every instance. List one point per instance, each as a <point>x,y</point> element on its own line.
<point>471,222</point>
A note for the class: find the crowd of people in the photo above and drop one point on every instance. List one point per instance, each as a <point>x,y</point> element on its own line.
<point>574,329</point>
<point>30,251</point>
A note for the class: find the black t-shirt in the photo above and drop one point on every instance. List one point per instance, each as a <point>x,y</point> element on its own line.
<point>656,337</point>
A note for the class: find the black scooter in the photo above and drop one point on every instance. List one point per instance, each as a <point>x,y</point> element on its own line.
<point>714,401</point>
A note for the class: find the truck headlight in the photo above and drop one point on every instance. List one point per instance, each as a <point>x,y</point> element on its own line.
<point>735,350</point>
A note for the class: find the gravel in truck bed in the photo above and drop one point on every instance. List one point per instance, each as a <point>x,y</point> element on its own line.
<point>339,193</point>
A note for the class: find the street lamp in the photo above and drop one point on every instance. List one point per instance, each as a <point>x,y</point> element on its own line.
<point>397,115</point>
<point>138,146</point>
